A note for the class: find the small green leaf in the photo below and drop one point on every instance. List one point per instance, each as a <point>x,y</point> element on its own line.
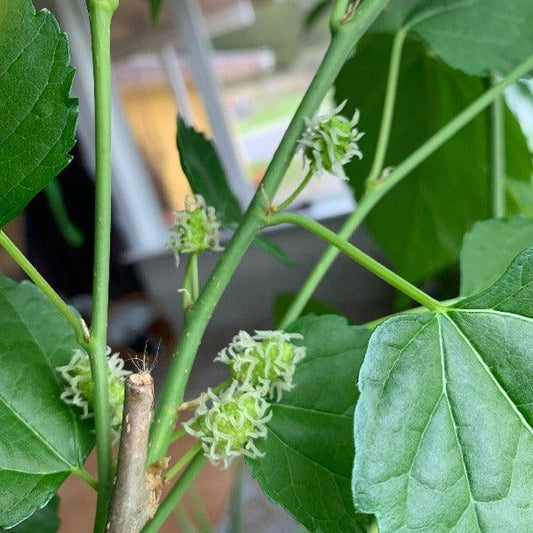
<point>522,194</point>
<point>489,248</point>
<point>309,446</point>
<point>444,424</point>
<point>313,307</point>
<point>43,439</point>
<point>38,115</point>
<point>206,176</point>
<point>46,520</point>
<point>477,36</point>
<point>440,200</point>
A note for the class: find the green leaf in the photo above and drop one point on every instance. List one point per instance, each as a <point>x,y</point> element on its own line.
<point>309,446</point>
<point>440,200</point>
<point>444,424</point>
<point>522,194</point>
<point>43,439</point>
<point>206,176</point>
<point>38,115</point>
<point>477,36</point>
<point>46,520</point>
<point>313,307</point>
<point>489,248</point>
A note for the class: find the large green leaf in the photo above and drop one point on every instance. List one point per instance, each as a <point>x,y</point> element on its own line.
<point>309,446</point>
<point>42,439</point>
<point>38,115</point>
<point>521,193</point>
<point>444,424</point>
<point>46,520</point>
<point>206,176</point>
<point>477,36</point>
<point>489,248</point>
<point>421,222</point>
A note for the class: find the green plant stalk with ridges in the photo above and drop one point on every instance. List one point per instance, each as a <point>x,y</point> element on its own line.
<point>382,186</point>
<point>100,14</point>
<point>79,327</point>
<point>497,156</point>
<point>357,255</point>
<point>172,394</point>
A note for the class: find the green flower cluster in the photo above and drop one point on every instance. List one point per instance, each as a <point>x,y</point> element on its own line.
<point>195,229</point>
<point>80,389</point>
<point>262,368</point>
<point>330,141</point>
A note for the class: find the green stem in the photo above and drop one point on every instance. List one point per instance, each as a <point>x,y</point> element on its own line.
<point>381,187</point>
<point>56,201</point>
<point>178,434</point>
<point>497,158</point>
<point>172,394</point>
<point>296,193</point>
<point>79,327</point>
<point>175,494</point>
<point>195,283</point>
<point>100,14</point>
<point>184,460</point>
<point>85,476</point>
<point>358,256</point>
<point>388,107</point>
<point>186,290</point>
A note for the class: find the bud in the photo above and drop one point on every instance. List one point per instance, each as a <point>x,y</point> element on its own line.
<point>80,390</point>
<point>228,424</point>
<point>330,142</point>
<point>195,229</point>
<point>265,361</point>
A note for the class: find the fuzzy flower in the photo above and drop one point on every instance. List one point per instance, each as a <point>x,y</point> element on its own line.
<point>195,229</point>
<point>330,142</point>
<point>227,425</point>
<point>80,391</point>
<point>266,360</point>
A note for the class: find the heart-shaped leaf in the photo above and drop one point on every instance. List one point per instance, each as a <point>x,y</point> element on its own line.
<point>477,36</point>
<point>439,201</point>
<point>38,115</point>
<point>444,424</point>
<point>42,439</point>
<point>309,446</point>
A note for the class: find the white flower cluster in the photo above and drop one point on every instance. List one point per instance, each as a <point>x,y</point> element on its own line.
<point>262,367</point>
<point>330,141</point>
<point>266,360</point>
<point>80,389</point>
<point>228,424</point>
<point>195,229</point>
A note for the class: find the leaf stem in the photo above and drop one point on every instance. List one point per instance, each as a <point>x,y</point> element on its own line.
<point>85,476</point>
<point>382,186</point>
<point>100,14</point>
<point>303,184</point>
<point>195,284</point>
<point>175,494</point>
<point>183,460</point>
<point>340,47</point>
<point>357,255</point>
<point>79,327</point>
<point>497,156</point>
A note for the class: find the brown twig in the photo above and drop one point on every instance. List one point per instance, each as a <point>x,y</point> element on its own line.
<point>133,503</point>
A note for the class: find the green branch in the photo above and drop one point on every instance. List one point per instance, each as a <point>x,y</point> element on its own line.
<point>172,394</point>
<point>497,157</point>
<point>176,493</point>
<point>382,186</point>
<point>79,327</point>
<point>100,14</point>
<point>358,256</point>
